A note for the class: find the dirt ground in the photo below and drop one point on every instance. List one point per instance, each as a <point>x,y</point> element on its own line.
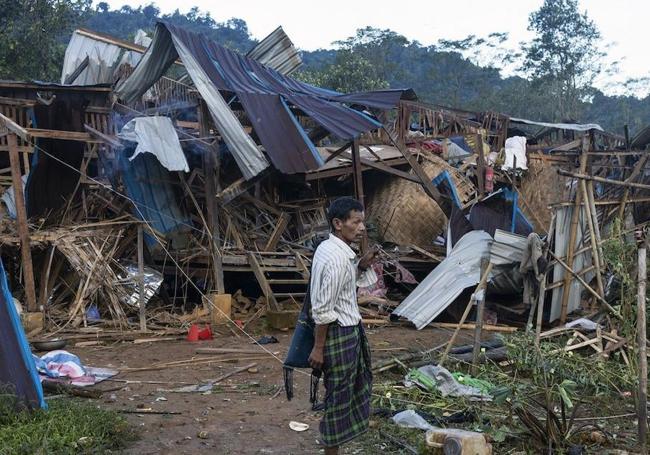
<point>248,414</point>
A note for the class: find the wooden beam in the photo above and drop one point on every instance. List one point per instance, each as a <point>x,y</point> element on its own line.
<point>211,171</point>
<point>239,187</point>
<point>113,141</point>
<point>356,172</point>
<point>77,72</point>
<point>108,39</point>
<point>382,167</point>
<point>23,228</point>
<point>337,152</point>
<point>603,180</point>
<point>279,229</point>
<point>7,126</point>
<point>21,102</point>
<point>480,165</point>
<point>60,135</point>
<point>425,181</point>
<point>345,170</point>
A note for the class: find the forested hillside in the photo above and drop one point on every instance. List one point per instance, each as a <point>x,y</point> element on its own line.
<point>447,73</point>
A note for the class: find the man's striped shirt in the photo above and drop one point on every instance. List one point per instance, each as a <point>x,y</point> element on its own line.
<point>334,281</point>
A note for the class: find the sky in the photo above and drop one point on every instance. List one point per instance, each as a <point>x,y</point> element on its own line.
<point>312,25</point>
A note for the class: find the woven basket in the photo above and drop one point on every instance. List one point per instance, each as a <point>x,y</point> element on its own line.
<point>403,213</point>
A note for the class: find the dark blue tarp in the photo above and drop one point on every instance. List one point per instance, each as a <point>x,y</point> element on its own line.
<point>17,370</point>
<point>149,185</point>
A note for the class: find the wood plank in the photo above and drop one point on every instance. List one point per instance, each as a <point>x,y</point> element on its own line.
<point>61,135</point>
<point>17,102</point>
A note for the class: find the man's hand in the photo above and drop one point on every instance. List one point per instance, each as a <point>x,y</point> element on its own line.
<point>316,358</point>
<point>369,258</point>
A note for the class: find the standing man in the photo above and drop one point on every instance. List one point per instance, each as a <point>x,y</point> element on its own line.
<point>341,349</point>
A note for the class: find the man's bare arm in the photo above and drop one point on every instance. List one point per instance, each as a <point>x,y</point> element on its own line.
<point>317,353</point>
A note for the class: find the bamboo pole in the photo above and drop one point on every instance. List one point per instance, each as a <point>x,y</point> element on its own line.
<point>141,302</point>
<point>594,216</point>
<point>480,308</point>
<point>586,286</point>
<point>468,308</point>
<point>594,178</point>
<point>643,359</point>
<point>575,218</point>
<point>592,240</point>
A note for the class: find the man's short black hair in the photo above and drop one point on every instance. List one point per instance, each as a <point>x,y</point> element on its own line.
<point>342,209</point>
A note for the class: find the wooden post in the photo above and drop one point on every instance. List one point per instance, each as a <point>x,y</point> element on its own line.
<point>643,359</point>
<point>23,229</point>
<point>626,192</point>
<point>468,308</point>
<point>480,165</point>
<point>211,171</point>
<point>356,172</point>
<point>141,302</point>
<point>358,185</point>
<point>480,308</point>
<point>575,217</point>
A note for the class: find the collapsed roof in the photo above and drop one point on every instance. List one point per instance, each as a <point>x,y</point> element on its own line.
<point>270,99</point>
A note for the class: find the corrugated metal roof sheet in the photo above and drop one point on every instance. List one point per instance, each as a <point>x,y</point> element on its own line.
<point>507,248</point>
<point>460,270</point>
<point>580,261</point>
<point>278,52</point>
<point>265,95</point>
<point>559,126</point>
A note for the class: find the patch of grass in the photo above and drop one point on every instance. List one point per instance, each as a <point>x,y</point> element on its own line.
<point>69,426</point>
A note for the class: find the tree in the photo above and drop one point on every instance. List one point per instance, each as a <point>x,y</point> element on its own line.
<point>349,73</point>
<point>563,57</point>
<point>31,36</point>
<point>383,49</point>
<point>488,52</point>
